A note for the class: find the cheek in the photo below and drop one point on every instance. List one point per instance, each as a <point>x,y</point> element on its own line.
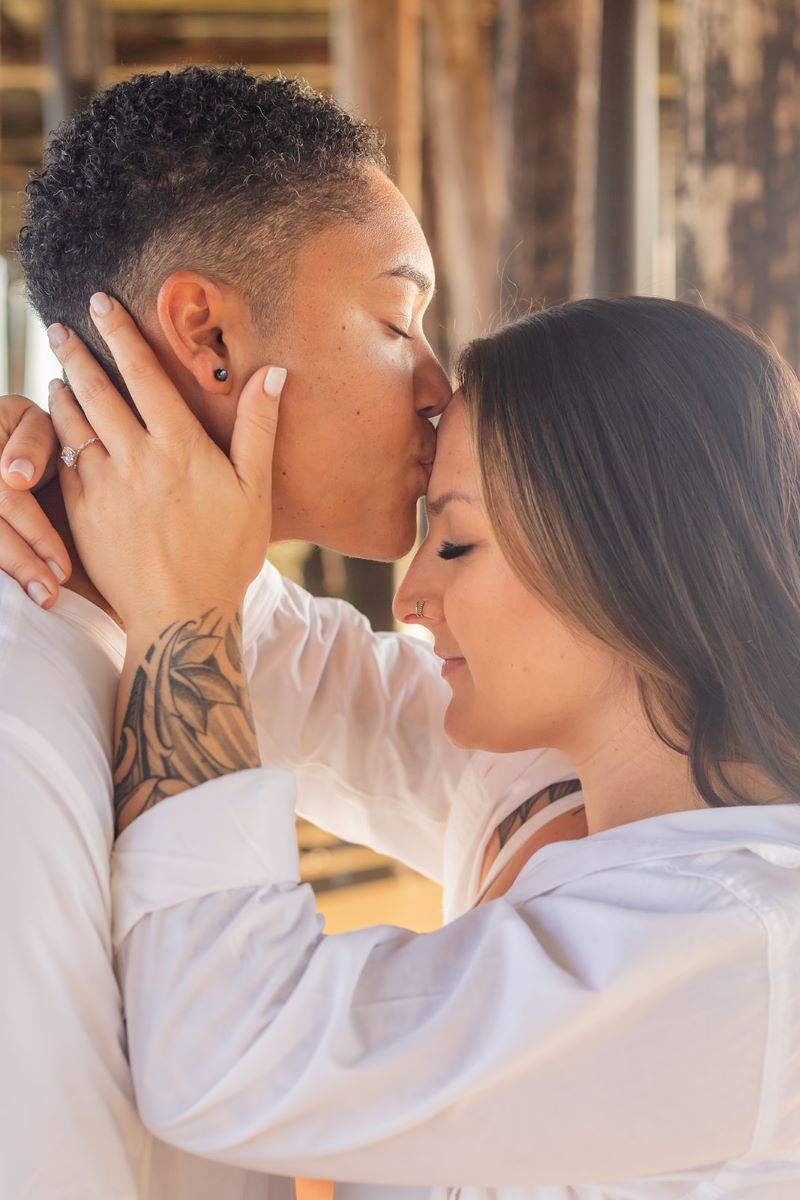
<point>523,667</point>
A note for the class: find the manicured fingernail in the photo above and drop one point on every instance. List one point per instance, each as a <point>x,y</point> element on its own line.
<point>57,335</point>
<point>54,386</point>
<point>38,592</point>
<point>274,380</point>
<point>21,466</point>
<point>56,569</point>
<point>100,304</point>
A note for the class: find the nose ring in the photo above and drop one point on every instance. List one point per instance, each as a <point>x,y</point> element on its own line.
<point>421,608</point>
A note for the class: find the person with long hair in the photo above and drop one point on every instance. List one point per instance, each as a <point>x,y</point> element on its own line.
<point>612,569</point>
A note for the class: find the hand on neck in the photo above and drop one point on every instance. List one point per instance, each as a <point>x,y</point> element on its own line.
<point>52,503</point>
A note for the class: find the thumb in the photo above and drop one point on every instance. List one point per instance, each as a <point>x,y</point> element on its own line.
<point>253,440</point>
<point>29,453</point>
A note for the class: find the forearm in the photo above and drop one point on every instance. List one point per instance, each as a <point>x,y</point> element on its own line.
<point>183,712</point>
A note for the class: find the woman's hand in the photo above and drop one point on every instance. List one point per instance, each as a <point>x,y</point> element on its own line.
<point>30,549</point>
<point>165,524</point>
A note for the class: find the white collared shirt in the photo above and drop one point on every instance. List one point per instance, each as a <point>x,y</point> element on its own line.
<point>622,1025</point>
<point>69,1129</point>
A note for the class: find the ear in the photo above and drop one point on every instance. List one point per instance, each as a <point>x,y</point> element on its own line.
<point>199,319</point>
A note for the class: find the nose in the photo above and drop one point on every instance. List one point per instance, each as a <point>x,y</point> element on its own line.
<point>432,390</point>
<point>419,587</point>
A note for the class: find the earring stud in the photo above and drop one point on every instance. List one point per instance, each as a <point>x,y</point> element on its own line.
<point>221,374</point>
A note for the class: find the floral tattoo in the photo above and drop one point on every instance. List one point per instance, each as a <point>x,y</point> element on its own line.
<point>188,718</point>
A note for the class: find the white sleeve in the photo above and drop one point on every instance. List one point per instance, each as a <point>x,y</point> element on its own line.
<point>555,1040</point>
<point>69,1124</point>
<point>359,716</point>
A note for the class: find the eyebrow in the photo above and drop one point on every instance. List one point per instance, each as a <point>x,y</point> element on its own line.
<point>406,271</point>
<point>440,503</point>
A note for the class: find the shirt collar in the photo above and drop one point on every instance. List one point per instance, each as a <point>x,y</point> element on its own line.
<point>771,832</point>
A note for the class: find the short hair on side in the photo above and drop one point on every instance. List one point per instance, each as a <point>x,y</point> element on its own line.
<point>200,169</point>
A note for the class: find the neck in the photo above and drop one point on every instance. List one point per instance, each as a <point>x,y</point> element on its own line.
<point>633,776</point>
<point>628,774</point>
<point>52,503</point>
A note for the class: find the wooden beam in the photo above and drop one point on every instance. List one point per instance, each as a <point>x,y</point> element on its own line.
<point>627,169</point>
<point>318,75</point>
<point>265,7</point>
<point>377,73</point>
<point>465,183</point>
<point>549,84</point>
<point>75,46</point>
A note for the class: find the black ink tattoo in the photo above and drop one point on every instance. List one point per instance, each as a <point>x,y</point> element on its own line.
<point>514,821</point>
<point>188,718</point>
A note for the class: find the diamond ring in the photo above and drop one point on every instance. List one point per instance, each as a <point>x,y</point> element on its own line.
<point>69,457</point>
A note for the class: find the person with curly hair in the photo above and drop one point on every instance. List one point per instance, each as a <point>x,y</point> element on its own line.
<point>242,221</point>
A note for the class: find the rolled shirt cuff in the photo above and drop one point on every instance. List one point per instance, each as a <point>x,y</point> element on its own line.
<point>233,832</point>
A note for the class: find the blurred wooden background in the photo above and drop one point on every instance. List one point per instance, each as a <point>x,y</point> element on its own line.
<point>552,148</point>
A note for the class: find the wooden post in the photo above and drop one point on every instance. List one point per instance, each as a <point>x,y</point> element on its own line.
<point>377,75</point>
<point>75,44</point>
<point>548,94</point>
<point>627,168</point>
<point>465,177</point>
<point>738,213</point>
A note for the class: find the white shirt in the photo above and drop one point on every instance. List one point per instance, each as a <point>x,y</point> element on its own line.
<point>622,1025</point>
<point>69,1129</point>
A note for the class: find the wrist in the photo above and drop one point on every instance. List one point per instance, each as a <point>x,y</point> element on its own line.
<point>151,619</point>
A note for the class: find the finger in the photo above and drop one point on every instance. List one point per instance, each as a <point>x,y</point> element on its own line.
<point>31,451</point>
<point>108,412</point>
<point>18,559</point>
<point>30,548</point>
<point>72,430</point>
<point>160,404</point>
<point>253,440</point>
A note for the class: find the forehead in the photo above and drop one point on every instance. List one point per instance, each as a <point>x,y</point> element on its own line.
<point>454,467</point>
<point>362,252</point>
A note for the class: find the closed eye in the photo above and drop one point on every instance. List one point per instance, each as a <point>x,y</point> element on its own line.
<point>450,550</point>
<point>401,332</point>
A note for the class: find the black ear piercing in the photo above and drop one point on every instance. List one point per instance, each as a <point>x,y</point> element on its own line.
<point>221,374</point>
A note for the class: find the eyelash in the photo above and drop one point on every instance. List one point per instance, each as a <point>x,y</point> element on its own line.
<point>449,550</point>
<point>401,332</point>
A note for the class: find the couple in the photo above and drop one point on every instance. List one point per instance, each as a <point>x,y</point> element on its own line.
<point>612,571</point>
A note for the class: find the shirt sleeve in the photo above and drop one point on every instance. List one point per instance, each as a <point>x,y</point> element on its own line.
<point>359,716</point>
<point>582,1036</point>
<point>62,1038</point>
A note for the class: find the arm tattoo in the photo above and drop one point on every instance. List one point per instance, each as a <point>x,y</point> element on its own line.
<point>188,717</point>
<point>515,820</point>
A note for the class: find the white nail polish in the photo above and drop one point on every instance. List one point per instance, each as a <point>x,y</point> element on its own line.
<point>274,381</point>
<point>21,466</point>
<point>56,569</point>
<point>38,592</point>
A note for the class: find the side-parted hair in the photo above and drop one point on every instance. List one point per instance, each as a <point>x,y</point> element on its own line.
<point>640,463</point>
<point>209,170</point>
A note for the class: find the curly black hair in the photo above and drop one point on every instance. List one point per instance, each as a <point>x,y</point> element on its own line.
<point>199,169</point>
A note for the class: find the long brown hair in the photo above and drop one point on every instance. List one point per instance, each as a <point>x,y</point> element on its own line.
<point>640,463</point>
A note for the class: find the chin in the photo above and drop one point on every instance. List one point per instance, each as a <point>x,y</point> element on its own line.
<point>468,731</point>
<point>392,540</point>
